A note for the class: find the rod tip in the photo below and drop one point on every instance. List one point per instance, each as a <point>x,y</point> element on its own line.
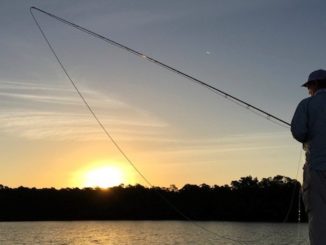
<point>33,7</point>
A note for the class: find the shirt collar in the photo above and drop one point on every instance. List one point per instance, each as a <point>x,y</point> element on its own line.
<point>320,91</point>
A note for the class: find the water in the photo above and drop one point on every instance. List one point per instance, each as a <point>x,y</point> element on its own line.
<point>150,232</point>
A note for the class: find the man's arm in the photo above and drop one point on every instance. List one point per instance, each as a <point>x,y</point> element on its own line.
<point>299,123</point>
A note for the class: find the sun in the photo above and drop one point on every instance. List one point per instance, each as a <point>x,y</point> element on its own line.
<point>103,177</point>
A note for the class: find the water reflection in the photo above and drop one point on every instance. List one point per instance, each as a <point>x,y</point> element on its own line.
<point>149,232</point>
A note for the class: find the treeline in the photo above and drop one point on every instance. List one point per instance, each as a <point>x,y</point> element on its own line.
<point>273,199</point>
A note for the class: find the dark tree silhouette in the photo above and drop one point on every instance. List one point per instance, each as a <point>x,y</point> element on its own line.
<point>247,199</point>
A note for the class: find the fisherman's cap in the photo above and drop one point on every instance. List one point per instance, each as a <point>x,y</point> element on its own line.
<point>318,75</point>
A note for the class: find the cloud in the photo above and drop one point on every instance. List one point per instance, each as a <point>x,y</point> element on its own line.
<point>39,111</point>
<point>62,126</point>
<point>30,93</point>
<point>36,110</point>
<point>230,143</point>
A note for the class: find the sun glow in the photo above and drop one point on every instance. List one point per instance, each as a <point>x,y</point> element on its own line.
<point>103,177</point>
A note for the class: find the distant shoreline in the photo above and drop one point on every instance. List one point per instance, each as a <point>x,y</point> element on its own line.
<point>245,200</point>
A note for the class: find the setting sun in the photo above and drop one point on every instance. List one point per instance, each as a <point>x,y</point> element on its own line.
<point>103,177</point>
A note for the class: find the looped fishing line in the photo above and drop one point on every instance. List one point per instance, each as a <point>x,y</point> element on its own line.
<point>116,144</point>
<point>242,103</point>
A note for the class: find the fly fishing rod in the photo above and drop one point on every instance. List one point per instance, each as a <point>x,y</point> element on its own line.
<point>226,95</point>
<point>191,78</point>
<point>107,133</point>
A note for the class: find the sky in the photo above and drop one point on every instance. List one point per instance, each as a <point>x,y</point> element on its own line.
<point>174,131</point>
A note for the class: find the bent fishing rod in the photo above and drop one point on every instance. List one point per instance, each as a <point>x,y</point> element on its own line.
<point>191,78</point>
<point>226,95</point>
<point>108,134</point>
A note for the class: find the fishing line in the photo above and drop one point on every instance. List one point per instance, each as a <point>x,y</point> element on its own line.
<point>293,194</point>
<point>107,133</point>
<point>228,96</point>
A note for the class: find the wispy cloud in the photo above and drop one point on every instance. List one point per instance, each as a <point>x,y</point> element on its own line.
<point>39,111</point>
<point>61,126</point>
<point>225,144</point>
<point>31,93</point>
<point>40,98</point>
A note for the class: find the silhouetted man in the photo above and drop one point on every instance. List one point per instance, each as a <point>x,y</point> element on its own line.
<point>308,126</point>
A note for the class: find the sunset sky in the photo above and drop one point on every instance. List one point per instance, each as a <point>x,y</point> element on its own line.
<point>174,131</point>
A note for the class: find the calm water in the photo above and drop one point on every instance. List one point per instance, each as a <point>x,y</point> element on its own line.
<point>150,232</point>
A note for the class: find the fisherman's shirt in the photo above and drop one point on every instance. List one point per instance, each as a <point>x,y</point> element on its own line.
<point>309,127</point>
